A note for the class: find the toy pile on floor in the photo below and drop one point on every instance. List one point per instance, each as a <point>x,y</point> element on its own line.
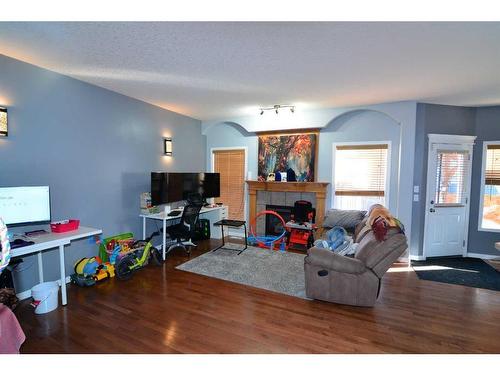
<point>88,271</point>
<point>119,255</point>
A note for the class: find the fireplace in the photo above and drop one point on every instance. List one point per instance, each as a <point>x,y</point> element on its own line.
<point>262,193</point>
<point>274,226</point>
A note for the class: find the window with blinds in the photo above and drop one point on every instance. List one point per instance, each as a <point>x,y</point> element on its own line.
<point>491,187</point>
<point>231,166</point>
<point>360,175</point>
<point>451,169</point>
<point>492,173</point>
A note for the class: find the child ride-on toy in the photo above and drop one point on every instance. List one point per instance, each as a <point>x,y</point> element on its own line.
<point>141,253</point>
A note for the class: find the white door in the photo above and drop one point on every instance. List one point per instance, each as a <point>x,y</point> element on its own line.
<point>447,200</point>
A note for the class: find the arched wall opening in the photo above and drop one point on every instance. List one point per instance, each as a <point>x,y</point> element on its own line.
<point>362,126</point>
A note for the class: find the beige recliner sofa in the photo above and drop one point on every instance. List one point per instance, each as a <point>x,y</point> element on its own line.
<point>352,281</point>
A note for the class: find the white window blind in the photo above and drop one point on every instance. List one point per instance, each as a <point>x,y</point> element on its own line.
<point>361,170</point>
<point>490,216</point>
<point>360,175</point>
<point>231,166</point>
<point>492,173</point>
<point>451,177</point>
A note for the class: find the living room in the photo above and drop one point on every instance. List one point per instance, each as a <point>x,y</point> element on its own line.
<point>249,187</point>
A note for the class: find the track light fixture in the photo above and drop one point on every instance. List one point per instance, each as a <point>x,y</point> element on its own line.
<point>277,107</point>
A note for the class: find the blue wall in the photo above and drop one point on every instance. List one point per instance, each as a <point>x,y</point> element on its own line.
<point>390,121</point>
<point>487,129</point>
<point>360,126</point>
<point>433,119</point>
<point>482,122</point>
<point>93,147</point>
<point>355,126</point>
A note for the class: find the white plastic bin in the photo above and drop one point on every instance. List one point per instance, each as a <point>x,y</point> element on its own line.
<point>45,297</point>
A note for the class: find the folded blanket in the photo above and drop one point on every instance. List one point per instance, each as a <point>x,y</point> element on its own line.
<point>379,221</point>
<point>11,333</point>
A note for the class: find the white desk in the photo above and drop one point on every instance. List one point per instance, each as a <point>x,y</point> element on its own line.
<point>214,213</point>
<point>50,241</point>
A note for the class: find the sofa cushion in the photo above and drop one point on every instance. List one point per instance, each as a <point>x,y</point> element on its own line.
<point>331,261</point>
<point>371,252</point>
<point>348,219</point>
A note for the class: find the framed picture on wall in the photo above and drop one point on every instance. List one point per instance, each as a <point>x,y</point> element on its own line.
<point>288,151</point>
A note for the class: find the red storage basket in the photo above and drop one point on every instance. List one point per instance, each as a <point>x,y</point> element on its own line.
<point>65,227</point>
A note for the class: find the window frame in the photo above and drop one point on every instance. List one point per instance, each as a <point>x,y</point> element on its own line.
<point>212,169</point>
<point>387,192</point>
<point>480,228</point>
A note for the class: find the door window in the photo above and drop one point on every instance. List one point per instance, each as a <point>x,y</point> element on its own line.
<point>451,177</point>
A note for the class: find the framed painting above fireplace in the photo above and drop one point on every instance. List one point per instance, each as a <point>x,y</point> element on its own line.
<point>279,152</point>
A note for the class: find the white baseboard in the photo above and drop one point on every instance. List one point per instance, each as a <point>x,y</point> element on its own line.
<point>417,257</point>
<point>482,256</point>
<point>27,293</point>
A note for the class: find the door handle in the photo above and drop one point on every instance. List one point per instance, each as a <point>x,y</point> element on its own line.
<point>432,202</point>
<point>432,210</point>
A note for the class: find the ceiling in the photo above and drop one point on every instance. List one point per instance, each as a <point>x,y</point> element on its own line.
<point>212,70</point>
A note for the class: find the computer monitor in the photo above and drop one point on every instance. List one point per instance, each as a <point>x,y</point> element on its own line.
<point>167,187</point>
<point>24,205</point>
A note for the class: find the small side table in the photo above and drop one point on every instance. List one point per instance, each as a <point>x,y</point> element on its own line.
<point>234,224</point>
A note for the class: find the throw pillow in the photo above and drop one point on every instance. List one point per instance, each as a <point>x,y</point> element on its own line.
<point>348,219</point>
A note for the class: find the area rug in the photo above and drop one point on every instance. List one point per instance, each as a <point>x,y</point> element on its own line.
<point>462,271</point>
<point>281,272</point>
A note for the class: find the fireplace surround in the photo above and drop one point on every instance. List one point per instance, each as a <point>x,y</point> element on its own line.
<point>262,193</point>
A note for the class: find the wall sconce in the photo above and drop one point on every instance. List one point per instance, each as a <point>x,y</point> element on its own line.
<point>167,146</point>
<point>4,130</point>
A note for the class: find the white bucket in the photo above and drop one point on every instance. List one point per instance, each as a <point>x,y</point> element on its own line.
<point>45,297</point>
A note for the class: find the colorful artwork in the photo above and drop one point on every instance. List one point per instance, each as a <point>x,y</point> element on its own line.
<point>279,152</point>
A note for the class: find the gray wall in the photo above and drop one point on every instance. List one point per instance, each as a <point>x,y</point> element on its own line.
<point>400,115</point>
<point>443,119</point>
<point>487,129</point>
<point>93,147</point>
<point>433,119</point>
<point>354,126</point>
<point>360,126</point>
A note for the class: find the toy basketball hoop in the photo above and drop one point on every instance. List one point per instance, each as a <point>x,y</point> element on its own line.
<point>268,241</point>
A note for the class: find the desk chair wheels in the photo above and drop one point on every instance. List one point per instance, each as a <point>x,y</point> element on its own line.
<point>182,246</point>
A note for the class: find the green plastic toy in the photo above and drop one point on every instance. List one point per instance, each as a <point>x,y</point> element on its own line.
<point>143,252</point>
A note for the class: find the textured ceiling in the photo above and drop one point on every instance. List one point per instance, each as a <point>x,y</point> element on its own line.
<point>219,70</point>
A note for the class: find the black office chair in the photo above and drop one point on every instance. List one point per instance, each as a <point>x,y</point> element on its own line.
<point>184,231</point>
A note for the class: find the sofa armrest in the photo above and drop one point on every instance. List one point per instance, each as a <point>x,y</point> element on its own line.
<point>326,258</point>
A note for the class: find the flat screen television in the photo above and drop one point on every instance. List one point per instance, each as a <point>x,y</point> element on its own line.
<point>23,205</point>
<point>169,187</point>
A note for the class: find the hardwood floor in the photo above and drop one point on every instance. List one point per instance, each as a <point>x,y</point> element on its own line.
<point>164,310</point>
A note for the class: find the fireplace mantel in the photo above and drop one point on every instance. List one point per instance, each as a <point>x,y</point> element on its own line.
<point>318,188</point>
